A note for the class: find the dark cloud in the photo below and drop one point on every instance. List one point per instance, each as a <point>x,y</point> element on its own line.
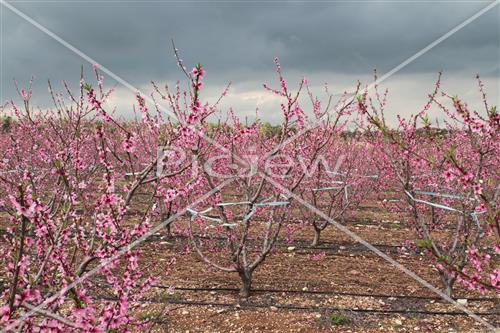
<point>237,41</point>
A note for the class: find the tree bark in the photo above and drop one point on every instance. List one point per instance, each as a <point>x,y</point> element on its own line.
<point>246,283</point>
<point>317,235</point>
<point>13,287</point>
<point>169,231</point>
<point>448,283</point>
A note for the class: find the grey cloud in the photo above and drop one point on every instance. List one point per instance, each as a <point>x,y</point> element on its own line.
<point>237,41</point>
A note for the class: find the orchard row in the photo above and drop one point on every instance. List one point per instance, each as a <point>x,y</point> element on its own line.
<point>70,177</point>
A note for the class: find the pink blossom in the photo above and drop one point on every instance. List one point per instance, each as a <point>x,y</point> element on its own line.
<point>477,189</point>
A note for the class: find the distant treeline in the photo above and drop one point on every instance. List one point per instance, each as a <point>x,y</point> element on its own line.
<point>266,128</point>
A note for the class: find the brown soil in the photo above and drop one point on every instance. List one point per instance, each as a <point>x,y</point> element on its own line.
<point>296,292</point>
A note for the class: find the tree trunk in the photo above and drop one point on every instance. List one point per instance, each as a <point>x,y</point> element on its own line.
<point>246,283</point>
<point>317,235</point>
<point>169,231</point>
<point>448,283</point>
<point>448,290</point>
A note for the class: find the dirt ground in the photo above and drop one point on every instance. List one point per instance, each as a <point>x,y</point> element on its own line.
<point>338,286</point>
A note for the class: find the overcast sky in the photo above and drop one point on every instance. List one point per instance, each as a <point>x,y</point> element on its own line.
<point>326,41</point>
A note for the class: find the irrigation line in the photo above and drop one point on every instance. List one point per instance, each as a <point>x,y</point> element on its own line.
<point>310,308</point>
<point>350,221</point>
<point>304,245</point>
<point>299,244</point>
<point>304,292</point>
<point>325,245</point>
<point>323,292</point>
<point>248,305</point>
